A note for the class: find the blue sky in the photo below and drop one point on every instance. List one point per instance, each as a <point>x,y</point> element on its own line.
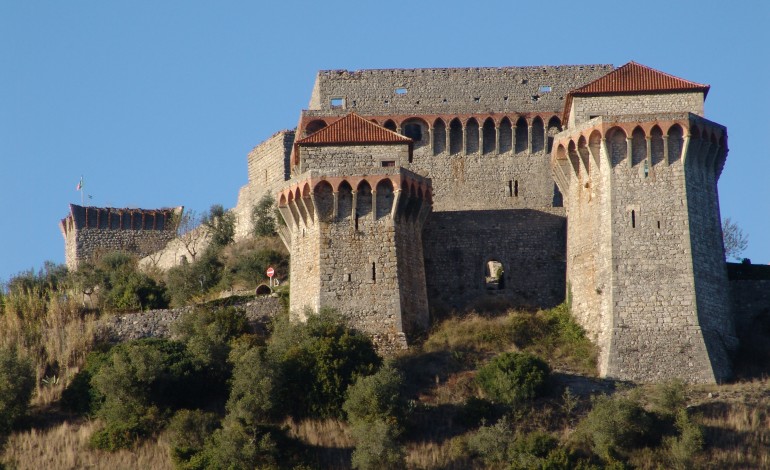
<point>157,103</point>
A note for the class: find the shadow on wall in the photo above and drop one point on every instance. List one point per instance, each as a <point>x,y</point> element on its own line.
<point>511,257</point>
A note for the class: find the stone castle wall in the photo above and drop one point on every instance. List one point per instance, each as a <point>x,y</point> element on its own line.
<point>585,108</point>
<point>91,231</point>
<point>268,168</point>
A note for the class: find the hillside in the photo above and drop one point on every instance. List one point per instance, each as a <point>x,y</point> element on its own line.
<point>282,399</point>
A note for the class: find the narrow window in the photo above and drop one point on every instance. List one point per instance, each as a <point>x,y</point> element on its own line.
<point>633,219</point>
<point>374,272</point>
<point>510,188</point>
<point>646,169</point>
<point>659,225</point>
<point>356,220</point>
<point>347,277</point>
<point>516,188</point>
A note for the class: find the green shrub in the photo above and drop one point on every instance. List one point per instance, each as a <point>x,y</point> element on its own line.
<point>80,396</point>
<point>514,377</point>
<point>17,381</point>
<point>614,426</point>
<point>221,225</point>
<point>376,447</point>
<point>320,359</point>
<point>262,216</point>
<point>669,397</point>
<point>493,444</point>
<point>684,447</point>
<point>142,382</point>
<point>188,431</point>
<point>188,281</point>
<point>256,393</point>
<point>238,446</point>
<point>376,397</point>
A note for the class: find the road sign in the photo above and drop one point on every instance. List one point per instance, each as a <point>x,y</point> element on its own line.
<point>270,272</point>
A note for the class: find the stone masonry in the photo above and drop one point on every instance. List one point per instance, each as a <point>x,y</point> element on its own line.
<point>400,188</point>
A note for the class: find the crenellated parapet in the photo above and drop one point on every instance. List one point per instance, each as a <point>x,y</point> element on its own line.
<point>641,143</point>
<point>89,231</point>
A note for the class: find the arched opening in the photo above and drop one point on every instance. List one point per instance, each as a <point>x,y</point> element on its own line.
<point>584,156</point>
<point>314,126</point>
<point>638,146</point>
<point>558,199</point>
<point>554,127</point>
<point>471,136</point>
<point>494,275</point>
<point>439,137</point>
<point>574,159</point>
<point>455,137</point>
<point>324,201</point>
<point>521,135</point>
<point>417,130</point>
<point>390,125</point>
<point>538,135</point>
<point>656,145</point>
<point>506,135</point>
<point>675,143</point>
<point>363,201</point>
<point>308,201</point>
<point>344,201</point>
<point>594,145</point>
<point>490,136</point>
<point>384,198</point>
<point>617,146</point>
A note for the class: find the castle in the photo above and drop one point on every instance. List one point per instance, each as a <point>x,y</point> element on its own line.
<point>406,192</point>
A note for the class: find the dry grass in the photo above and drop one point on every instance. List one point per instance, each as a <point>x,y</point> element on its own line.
<point>323,433</point>
<point>65,446</point>
<point>55,334</point>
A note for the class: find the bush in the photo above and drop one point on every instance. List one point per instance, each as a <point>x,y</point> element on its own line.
<point>262,216</point>
<point>142,382</point>
<point>614,426</point>
<point>376,447</point>
<point>512,378</point>
<point>684,447</point>
<point>376,397</point>
<point>221,225</point>
<point>188,431</point>
<point>257,387</point>
<point>188,281</point>
<point>319,360</point>
<point>80,396</point>
<point>17,381</point>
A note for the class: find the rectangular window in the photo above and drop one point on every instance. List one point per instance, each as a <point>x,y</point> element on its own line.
<point>337,103</point>
<point>545,88</point>
<point>388,163</point>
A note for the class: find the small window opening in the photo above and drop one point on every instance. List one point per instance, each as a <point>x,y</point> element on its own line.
<point>476,99</point>
<point>356,220</point>
<point>524,81</point>
<point>535,97</point>
<point>413,131</point>
<point>516,188</point>
<point>347,277</point>
<point>659,225</point>
<point>337,102</point>
<point>633,219</point>
<point>401,91</point>
<point>445,101</point>
<point>646,169</point>
<point>374,272</point>
<point>417,102</point>
<point>494,275</point>
<point>510,188</point>
<point>388,163</point>
<point>505,98</point>
<point>386,102</point>
<point>354,103</point>
<point>545,88</point>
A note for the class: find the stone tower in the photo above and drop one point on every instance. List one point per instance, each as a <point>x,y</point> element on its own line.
<point>90,231</point>
<point>638,166</point>
<point>354,219</point>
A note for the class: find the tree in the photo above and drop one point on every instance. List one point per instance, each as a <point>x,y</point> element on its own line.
<point>221,225</point>
<point>17,381</point>
<point>735,240</point>
<point>191,233</point>
<point>263,218</point>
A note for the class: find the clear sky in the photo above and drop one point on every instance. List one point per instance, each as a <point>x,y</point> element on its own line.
<point>157,103</point>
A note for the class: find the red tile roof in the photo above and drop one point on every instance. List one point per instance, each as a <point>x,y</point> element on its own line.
<point>633,77</point>
<point>353,129</point>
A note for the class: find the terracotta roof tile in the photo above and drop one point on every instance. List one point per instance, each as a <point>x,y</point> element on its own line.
<point>634,77</point>
<point>353,129</point>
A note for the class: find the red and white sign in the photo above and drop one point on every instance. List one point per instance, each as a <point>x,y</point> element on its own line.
<point>270,272</point>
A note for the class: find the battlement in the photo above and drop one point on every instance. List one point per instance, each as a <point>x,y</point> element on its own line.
<point>89,231</point>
